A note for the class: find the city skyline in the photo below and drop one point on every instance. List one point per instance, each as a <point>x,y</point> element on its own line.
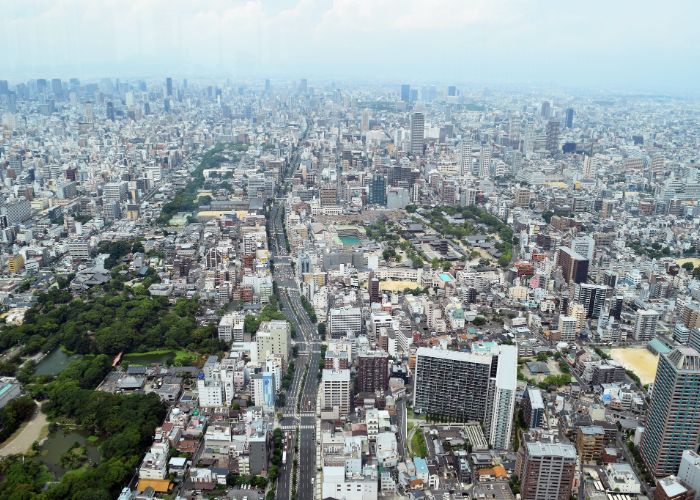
<point>616,46</point>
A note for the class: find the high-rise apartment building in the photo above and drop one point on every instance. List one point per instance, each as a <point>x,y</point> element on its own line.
<point>673,419</point>
<point>417,132</point>
<point>465,156</point>
<point>469,386</point>
<point>372,371</point>
<point>592,297</point>
<point>568,327</point>
<point>168,86</point>
<point>546,470</point>
<point>645,325</point>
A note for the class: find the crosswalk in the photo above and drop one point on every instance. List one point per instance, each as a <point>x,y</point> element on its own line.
<point>295,427</point>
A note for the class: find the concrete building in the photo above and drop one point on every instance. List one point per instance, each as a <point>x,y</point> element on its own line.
<point>344,320</point>
<point>469,386</point>
<point>689,471</point>
<point>335,392</point>
<point>372,371</point>
<point>673,420</point>
<point>546,470</point>
<point>274,337</point>
<point>645,325</point>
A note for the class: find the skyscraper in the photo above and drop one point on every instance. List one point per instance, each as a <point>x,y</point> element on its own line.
<point>451,91</point>
<point>546,470</point>
<point>405,92</point>
<point>469,386</point>
<point>303,86</point>
<point>417,132</point>
<point>546,109</point>
<point>267,85</point>
<point>553,136</point>
<point>465,156</point>
<point>169,86</point>
<point>673,419</point>
<point>569,117</point>
<point>377,189</point>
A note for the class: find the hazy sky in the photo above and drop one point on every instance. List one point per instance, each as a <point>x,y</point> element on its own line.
<point>640,44</point>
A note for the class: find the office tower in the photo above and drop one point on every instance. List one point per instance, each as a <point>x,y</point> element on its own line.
<point>546,109</point>
<point>574,266</point>
<point>405,92</point>
<point>584,245</point>
<point>533,407</point>
<point>592,297</point>
<point>553,136</point>
<point>689,471</point>
<point>645,325</point>
<point>485,161</point>
<point>417,133</point>
<point>343,321</point>
<point>57,88</point>
<point>568,326</point>
<point>465,156</point>
<point>274,337</point>
<point>168,86</point>
<point>335,392</point>
<point>569,117</point>
<point>303,86</point>
<point>372,371</point>
<point>546,470</point>
<point>373,288</point>
<point>469,386</point>
<point>110,110</point>
<point>514,129</point>
<point>673,419</point>
<point>364,125</point>
<point>267,86</point>
<point>166,105</point>
<point>114,192</point>
<point>377,189</point>
<point>4,87</point>
<point>12,101</point>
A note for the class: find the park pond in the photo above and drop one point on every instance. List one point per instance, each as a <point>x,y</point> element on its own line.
<point>60,443</point>
<point>55,362</point>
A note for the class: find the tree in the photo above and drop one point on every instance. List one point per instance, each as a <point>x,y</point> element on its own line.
<point>547,216</point>
<point>321,330</point>
<point>688,266</point>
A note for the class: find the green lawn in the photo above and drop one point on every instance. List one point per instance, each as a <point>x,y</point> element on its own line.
<point>176,357</point>
<point>418,446</point>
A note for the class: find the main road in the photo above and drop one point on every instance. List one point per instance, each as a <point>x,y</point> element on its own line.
<point>299,413</point>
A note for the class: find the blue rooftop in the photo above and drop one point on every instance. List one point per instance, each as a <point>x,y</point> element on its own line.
<point>421,465</point>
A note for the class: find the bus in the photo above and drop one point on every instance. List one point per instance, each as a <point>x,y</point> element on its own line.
<point>284,457</point>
